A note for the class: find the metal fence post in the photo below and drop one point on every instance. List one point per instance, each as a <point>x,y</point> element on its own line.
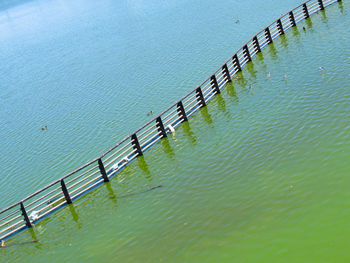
<point>306,12</point>
<point>321,4</point>
<point>136,144</point>
<point>65,192</point>
<point>268,35</point>
<point>226,72</point>
<point>214,84</point>
<point>161,126</point>
<point>181,110</point>
<point>256,44</point>
<point>200,97</point>
<point>291,18</point>
<point>103,170</point>
<point>236,62</point>
<point>246,53</point>
<point>24,213</point>
<point>280,27</point>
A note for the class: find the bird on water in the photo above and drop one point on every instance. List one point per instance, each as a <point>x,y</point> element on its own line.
<point>150,113</point>
<point>44,128</point>
<point>268,75</point>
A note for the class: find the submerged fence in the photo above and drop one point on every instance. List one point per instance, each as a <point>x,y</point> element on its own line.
<point>64,191</point>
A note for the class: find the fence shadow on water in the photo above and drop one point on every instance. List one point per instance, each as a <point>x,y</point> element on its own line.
<point>67,189</point>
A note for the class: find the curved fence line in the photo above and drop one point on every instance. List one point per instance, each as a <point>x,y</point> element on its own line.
<point>65,190</point>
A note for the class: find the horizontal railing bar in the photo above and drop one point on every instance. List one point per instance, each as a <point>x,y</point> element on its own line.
<point>10,220</point>
<point>83,180</point>
<point>13,231</point>
<point>43,202</point>
<point>150,139</point>
<point>120,155</point>
<point>148,134</point>
<point>9,215</point>
<point>88,188</point>
<point>45,195</point>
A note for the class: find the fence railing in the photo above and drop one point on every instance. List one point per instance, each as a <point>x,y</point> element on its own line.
<point>65,190</point>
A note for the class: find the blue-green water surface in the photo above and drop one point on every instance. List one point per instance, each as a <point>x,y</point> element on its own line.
<point>258,175</point>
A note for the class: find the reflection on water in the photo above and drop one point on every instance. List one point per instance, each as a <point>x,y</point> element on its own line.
<point>167,148</point>
<point>284,40</point>
<point>74,214</point>
<point>272,51</point>
<point>220,102</point>
<point>231,91</point>
<point>252,71</point>
<point>206,115</point>
<point>324,15</point>
<point>111,193</point>
<point>144,167</point>
<point>188,132</point>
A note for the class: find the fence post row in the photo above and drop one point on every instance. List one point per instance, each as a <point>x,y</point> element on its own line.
<point>291,18</point>
<point>226,72</point>
<point>24,213</point>
<point>246,53</point>
<point>200,97</point>
<point>65,192</point>
<point>103,170</point>
<point>214,84</point>
<point>160,127</point>
<point>136,144</point>
<point>306,12</point>
<point>280,27</point>
<point>236,62</point>
<point>181,111</point>
<point>256,44</point>
<point>268,35</point>
<point>321,4</point>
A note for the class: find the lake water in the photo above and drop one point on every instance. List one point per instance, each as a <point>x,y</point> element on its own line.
<point>258,175</point>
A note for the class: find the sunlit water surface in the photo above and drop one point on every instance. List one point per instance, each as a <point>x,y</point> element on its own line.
<point>259,175</point>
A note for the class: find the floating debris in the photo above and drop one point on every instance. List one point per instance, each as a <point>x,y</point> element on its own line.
<point>171,129</point>
<point>3,245</point>
<point>237,21</point>
<point>321,68</point>
<point>124,160</point>
<point>34,215</point>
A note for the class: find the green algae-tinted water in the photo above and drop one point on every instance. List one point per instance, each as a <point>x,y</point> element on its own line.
<point>259,175</point>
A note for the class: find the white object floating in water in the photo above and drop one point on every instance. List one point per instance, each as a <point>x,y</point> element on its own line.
<point>171,129</point>
<point>115,166</point>
<point>125,159</point>
<point>34,215</point>
<point>321,68</point>
<point>268,75</point>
